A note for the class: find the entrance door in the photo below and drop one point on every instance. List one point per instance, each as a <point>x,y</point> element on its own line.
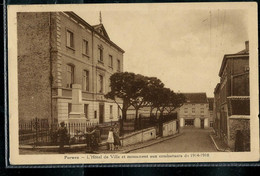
<point>189,122</point>
<point>202,123</point>
<point>101,113</point>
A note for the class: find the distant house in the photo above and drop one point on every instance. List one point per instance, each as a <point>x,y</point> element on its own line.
<point>231,98</point>
<point>195,112</point>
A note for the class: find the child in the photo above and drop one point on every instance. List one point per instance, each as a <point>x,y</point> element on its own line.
<point>110,139</point>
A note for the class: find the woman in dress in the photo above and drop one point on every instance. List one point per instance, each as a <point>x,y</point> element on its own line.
<point>110,139</point>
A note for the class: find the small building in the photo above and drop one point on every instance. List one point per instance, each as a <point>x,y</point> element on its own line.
<point>195,112</point>
<point>64,66</point>
<point>231,99</point>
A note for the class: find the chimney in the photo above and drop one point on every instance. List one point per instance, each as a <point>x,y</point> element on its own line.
<point>247,46</point>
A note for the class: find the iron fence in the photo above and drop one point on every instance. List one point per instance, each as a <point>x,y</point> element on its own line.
<point>42,132</point>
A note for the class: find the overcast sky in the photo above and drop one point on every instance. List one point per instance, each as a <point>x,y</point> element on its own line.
<point>181,46</point>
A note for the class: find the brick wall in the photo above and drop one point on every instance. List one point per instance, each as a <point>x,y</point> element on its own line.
<point>242,124</point>
<point>34,86</point>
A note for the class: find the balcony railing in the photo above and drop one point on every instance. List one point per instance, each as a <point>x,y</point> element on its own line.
<point>238,105</point>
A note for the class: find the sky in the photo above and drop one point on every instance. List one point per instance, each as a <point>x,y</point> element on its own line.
<point>183,47</point>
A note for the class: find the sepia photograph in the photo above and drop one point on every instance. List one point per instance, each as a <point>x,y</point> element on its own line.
<point>133,83</point>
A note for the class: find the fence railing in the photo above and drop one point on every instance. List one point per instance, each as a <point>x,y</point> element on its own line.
<point>42,132</point>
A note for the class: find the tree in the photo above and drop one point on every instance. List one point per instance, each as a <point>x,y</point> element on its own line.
<point>175,101</point>
<point>139,92</point>
<point>128,87</point>
<point>154,86</point>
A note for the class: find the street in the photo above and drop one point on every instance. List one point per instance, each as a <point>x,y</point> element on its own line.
<point>192,140</point>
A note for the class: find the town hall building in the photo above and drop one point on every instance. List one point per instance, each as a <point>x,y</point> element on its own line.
<point>64,66</point>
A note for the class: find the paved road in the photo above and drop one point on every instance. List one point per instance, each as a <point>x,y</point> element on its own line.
<point>192,140</point>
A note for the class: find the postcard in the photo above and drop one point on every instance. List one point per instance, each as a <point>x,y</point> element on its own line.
<point>133,83</point>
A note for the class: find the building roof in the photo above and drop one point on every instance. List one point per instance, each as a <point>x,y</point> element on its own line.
<point>243,53</point>
<point>211,102</point>
<point>101,29</point>
<point>94,28</point>
<point>196,97</point>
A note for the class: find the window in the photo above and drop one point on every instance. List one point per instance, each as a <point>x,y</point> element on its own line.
<point>85,80</point>
<point>85,47</point>
<point>69,107</point>
<point>186,110</point>
<point>202,110</point>
<point>70,76</point>
<point>100,54</point>
<point>86,110</point>
<point>95,114</point>
<point>193,110</point>
<point>111,61</point>
<point>111,111</point>
<point>101,84</point>
<point>118,65</point>
<point>70,39</point>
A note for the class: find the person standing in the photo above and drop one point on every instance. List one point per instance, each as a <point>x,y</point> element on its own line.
<point>110,139</point>
<point>62,136</point>
<point>90,140</point>
<point>117,142</point>
<point>97,136</point>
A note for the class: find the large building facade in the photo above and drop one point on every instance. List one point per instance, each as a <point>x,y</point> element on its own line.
<point>195,112</point>
<point>231,98</point>
<point>64,66</point>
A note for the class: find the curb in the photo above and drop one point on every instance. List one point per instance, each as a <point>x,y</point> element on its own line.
<point>147,145</point>
<point>52,147</point>
<point>216,146</point>
<point>155,142</point>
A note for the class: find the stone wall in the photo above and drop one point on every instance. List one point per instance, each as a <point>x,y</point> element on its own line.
<point>239,123</point>
<point>34,65</point>
<point>170,128</point>
<point>139,136</point>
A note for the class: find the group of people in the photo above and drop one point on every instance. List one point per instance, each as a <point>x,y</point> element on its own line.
<point>113,139</point>
<point>93,138</point>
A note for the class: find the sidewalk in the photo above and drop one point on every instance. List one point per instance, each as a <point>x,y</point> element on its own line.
<point>219,143</point>
<point>80,148</point>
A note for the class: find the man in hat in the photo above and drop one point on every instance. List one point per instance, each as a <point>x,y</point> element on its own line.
<point>62,136</point>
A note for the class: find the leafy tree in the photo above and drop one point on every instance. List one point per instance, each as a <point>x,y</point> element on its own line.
<point>138,99</point>
<point>175,100</point>
<point>126,86</point>
<point>153,88</point>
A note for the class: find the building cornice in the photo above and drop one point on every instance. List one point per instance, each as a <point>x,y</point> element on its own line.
<point>88,26</point>
<point>229,56</point>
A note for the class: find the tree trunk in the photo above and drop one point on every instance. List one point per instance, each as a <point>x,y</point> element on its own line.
<point>136,117</point>
<point>124,112</point>
<point>151,111</point>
